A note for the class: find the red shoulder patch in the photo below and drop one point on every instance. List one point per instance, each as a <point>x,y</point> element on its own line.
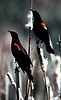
<point>15,44</point>
<point>43,25</point>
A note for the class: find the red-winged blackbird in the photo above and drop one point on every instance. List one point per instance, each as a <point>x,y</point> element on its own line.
<point>20,54</point>
<point>40,30</point>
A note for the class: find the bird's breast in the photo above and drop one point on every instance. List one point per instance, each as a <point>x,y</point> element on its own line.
<point>37,30</point>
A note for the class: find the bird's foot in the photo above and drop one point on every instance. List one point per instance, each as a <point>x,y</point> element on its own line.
<point>39,43</point>
<point>16,69</point>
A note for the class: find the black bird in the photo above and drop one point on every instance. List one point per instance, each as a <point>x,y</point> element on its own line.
<point>40,30</point>
<point>20,54</point>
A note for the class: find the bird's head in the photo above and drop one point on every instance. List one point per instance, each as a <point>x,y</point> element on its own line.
<point>14,35</point>
<point>36,15</point>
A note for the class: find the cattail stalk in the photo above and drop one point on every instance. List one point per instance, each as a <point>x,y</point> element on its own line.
<point>43,62</point>
<point>49,92</point>
<point>15,85</point>
<point>60,50</point>
<point>59,45</point>
<point>30,28</point>
<point>29,25</point>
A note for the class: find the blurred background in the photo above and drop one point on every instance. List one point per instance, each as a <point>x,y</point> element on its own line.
<point>13,16</point>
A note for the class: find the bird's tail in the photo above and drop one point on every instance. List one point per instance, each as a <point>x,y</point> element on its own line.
<point>50,49</point>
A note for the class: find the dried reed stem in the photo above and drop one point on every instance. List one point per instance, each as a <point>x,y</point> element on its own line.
<point>28,89</point>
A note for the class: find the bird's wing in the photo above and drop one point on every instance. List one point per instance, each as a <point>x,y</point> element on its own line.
<point>20,48</point>
<point>43,25</point>
<point>23,52</point>
<point>26,55</point>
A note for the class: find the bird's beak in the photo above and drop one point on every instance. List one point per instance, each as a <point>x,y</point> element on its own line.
<point>9,32</point>
<point>32,10</point>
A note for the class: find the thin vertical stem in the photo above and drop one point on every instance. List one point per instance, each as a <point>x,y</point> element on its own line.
<point>44,73</point>
<point>59,46</point>
<point>31,2</point>
<point>29,40</point>
<point>29,48</point>
<point>60,51</point>
<point>17,82</point>
<point>48,92</point>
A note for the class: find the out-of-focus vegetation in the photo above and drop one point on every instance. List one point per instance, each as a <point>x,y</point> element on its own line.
<point>13,16</point>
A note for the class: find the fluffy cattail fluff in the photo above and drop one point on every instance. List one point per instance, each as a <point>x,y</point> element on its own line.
<point>43,61</point>
<point>31,98</point>
<point>30,20</point>
<point>58,97</point>
<point>14,84</point>
<point>11,79</point>
<point>55,73</point>
<point>57,70</point>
